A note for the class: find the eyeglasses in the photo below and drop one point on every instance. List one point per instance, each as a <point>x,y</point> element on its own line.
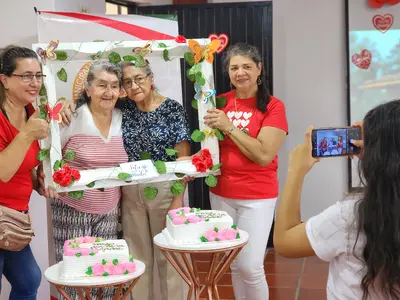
<point>27,78</point>
<point>140,80</point>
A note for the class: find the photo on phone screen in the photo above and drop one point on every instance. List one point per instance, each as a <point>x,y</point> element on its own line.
<point>335,141</point>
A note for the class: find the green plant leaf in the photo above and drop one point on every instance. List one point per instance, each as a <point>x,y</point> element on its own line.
<point>200,80</point>
<point>180,175</point>
<point>194,104</point>
<point>166,55</point>
<point>221,102</point>
<point>189,58</point>
<point>76,194</point>
<point>191,77</point>
<point>69,155</point>
<point>171,152</point>
<point>150,192</point>
<point>101,189</point>
<point>211,180</point>
<point>145,155</point>
<point>57,165</point>
<point>160,166</point>
<point>162,45</point>
<point>43,154</point>
<point>219,135</point>
<point>62,75</point>
<point>43,112</point>
<point>195,69</point>
<point>124,176</point>
<point>139,62</point>
<point>61,55</point>
<point>128,58</point>
<point>114,57</point>
<point>43,101</point>
<point>89,271</point>
<point>115,262</point>
<point>198,136</point>
<point>216,167</point>
<point>92,184</point>
<point>43,91</point>
<point>178,188</point>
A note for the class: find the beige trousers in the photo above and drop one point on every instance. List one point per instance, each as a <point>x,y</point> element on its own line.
<point>143,219</point>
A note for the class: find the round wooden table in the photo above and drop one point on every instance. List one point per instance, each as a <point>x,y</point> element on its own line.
<point>84,285</point>
<point>223,253</point>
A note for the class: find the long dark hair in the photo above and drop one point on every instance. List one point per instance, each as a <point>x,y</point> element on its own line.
<point>8,63</point>
<point>252,52</point>
<point>378,211</point>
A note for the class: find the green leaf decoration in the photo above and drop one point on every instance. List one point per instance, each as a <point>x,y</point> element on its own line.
<point>216,167</point>
<point>124,176</point>
<point>126,273</point>
<point>62,75</point>
<point>92,254</point>
<point>76,194</point>
<point>101,189</point>
<point>69,155</point>
<point>215,229</point>
<point>98,240</point>
<point>191,77</point>
<point>114,58</point>
<point>234,226</point>
<point>211,180</point>
<point>97,41</point>
<point>43,112</point>
<point>219,135</point>
<point>130,258</point>
<point>145,155</point>
<point>180,175</point>
<point>238,235</point>
<point>160,166</point>
<point>128,58</point>
<point>189,58</point>
<point>43,154</point>
<point>166,55</point>
<point>171,152</point>
<point>78,254</point>
<point>207,220</point>
<point>115,262</point>
<point>195,104</point>
<point>139,61</point>
<point>162,45</point>
<point>200,80</point>
<point>43,101</point>
<point>221,102</point>
<point>57,165</point>
<point>43,91</point>
<point>150,192</point>
<point>203,239</point>
<point>198,136</point>
<point>61,55</point>
<point>212,101</point>
<point>178,188</point>
<point>103,262</point>
<point>89,271</point>
<point>217,239</point>
<point>187,222</point>
<point>92,184</point>
<point>192,210</point>
<point>105,274</point>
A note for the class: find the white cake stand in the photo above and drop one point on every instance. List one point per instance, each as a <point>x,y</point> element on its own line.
<point>83,285</point>
<point>223,253</point>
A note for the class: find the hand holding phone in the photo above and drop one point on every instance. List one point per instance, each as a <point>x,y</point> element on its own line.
<point>333,142</point>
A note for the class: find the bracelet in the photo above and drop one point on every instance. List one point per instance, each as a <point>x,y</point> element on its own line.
<point>229,132</point>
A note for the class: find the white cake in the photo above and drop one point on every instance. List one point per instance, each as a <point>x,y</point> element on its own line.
<point>90,256</point>
<point>187,225</point>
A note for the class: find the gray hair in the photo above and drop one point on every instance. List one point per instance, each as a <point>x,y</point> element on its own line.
<point>146,66</point>
<point>94,69</point>
<point>241,49</point>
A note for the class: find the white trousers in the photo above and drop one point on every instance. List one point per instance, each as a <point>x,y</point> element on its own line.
<point>255,217</point>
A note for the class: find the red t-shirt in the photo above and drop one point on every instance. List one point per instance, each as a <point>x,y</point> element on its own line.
<point>240,177</point>
<point>17,192</point>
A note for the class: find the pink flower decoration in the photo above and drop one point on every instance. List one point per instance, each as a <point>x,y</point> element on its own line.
<point>211,235</point>
<point>173,212</point>
<point>186,210</point>
<point>130,267</point>
<point>221,235</point>
<point>178,220</point>
<point>98,269</point>
<point>79,240</point>
<point>193,219</point>
<point>118,269</point>
<point>85,251</point>
<point>68,251</point>
<point>109,268</point>
<point>230,233</point>
<point>89,239</point>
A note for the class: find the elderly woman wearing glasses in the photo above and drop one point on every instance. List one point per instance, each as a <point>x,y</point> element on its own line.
<point>20,129</point>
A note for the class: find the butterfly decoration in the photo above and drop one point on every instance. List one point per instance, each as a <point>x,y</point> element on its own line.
<point>55,112</point>
<point>209,133</point>
<point>207,53</point>
<point>143,51</point>
<point>203,95</point>
<point>49,53</point>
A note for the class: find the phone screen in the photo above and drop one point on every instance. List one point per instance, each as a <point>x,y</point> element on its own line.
<point>328,142</point>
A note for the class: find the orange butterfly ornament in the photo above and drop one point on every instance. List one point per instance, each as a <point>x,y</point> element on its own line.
<point>207,52</point>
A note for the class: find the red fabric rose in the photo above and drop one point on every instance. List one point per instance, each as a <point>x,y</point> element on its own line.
<point>180,39</point>
<point>57,177</point>
<point>66,180</point>
<point>75,174</point>
<point>208,161</point>
<point>66,175</point>
<point>206,153</point>
<point>201,167</point>
<point>196,159</point>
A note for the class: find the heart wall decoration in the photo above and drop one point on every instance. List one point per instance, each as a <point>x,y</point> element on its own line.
<point>363,59</point>
<point>223,37</point>
<point>382,23</point>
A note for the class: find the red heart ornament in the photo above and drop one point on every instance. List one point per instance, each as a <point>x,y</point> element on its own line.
<point>223,37</point>
<point>383,23</point>
<point>362,60</point>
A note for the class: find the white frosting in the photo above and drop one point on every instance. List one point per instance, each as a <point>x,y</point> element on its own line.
<point>191,233</point>
<point>109,250</point>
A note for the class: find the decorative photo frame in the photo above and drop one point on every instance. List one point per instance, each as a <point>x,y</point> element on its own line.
<point>67,63</point>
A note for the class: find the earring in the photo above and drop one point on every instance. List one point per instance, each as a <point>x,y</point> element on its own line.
<point>259,82</point>
<point>153,87</point>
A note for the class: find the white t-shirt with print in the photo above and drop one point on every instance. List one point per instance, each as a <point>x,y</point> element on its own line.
<point>332,235</point>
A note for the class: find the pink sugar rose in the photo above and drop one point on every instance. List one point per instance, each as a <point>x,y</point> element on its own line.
<point>85,251</point>
<point>80,240</point>
<point>70,251</point>
<point>109,268</point>
<point>211,235</point>
<point>118,269</point>
<point>193,219</point>
<point>130,267</point>
<point>89,239</point>
<point>230,233</point>
<point>178,220</point>
<point>186,209</point>
<point>173,212</point>
<point>98,269</point>
<point>221,235</point>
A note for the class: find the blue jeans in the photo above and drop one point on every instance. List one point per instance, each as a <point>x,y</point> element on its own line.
<point>22,272</point>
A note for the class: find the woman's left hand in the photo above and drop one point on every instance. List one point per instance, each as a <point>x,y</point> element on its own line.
<point>217,119</point>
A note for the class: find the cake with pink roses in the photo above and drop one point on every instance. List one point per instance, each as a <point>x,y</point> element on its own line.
<point>90,256</point>
<point>188,225</point>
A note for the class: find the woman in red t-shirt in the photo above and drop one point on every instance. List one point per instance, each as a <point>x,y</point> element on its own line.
<point>20,128</point>
<point>255,126</point>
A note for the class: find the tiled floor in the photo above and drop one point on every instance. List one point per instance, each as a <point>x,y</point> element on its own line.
<point>288,279</point>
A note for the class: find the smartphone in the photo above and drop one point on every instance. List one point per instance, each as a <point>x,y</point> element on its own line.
<point>333,142</point>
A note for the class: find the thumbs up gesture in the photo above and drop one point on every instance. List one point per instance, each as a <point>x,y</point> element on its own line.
<point>35,128</point>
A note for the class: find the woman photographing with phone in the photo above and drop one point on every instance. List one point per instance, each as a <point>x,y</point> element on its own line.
<point>360,238</point>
